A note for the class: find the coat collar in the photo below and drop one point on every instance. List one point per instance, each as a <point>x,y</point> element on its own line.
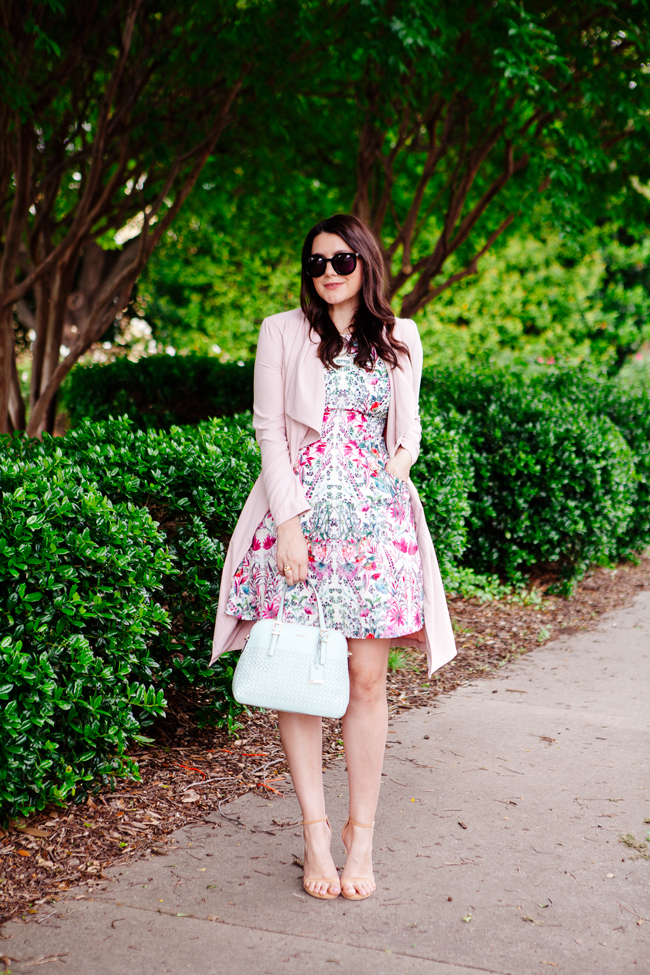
<point>305,385</point>
<point>304,399</point>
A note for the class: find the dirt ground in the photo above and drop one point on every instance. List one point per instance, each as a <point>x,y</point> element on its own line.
<point>191,772</point>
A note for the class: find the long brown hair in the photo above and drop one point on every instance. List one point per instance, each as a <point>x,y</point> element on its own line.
<point>373,322</point>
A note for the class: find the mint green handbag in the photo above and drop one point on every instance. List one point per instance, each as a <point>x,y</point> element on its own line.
<point>291,667</point>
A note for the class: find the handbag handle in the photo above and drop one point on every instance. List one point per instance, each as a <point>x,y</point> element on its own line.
<point>279,620</point>
<point>308,582</point>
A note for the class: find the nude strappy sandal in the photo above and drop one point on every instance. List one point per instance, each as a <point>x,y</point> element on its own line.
<point>322,880</point>
<point>356,880</point>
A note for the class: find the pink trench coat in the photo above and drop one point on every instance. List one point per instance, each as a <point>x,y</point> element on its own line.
<point>288,412</point>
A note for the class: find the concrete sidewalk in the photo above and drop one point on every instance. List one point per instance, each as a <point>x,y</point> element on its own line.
<point>497,846</point>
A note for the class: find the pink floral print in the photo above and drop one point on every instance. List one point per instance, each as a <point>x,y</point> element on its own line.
<point>363,550</point>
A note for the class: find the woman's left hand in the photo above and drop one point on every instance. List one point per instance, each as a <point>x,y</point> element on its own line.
<point>400,465</point>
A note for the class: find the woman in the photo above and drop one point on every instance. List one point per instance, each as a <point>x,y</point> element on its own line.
<point>336,418</point>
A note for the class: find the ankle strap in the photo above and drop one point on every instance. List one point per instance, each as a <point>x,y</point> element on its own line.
<point>310,822</point>
<point>364,825</point>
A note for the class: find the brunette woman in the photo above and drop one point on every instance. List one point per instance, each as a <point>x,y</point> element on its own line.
<point>336,418</point>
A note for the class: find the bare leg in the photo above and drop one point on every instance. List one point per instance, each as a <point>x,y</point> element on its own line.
<point>303,744</point>
<point>365,726</point>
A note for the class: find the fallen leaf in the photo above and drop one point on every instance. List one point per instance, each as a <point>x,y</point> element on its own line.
<point>40,834</point>
<point>578,941</point>
<point>467,918</point>
<point>191,796</point>
<point>462,824</point>
<point>24,853</point>
<point>553,963</point>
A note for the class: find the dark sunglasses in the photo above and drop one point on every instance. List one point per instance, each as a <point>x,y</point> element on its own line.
<point>343,263</point>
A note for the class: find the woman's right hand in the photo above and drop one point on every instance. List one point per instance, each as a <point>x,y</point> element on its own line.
<point>292,551</point>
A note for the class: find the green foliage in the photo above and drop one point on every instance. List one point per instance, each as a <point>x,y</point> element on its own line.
<point>443,476</point>
<point>77,617</point>
<point>629,410</point>
<point>224,267</point>
<point>194,482</point>
<point>541,297</point>
<point>160,391</point>
<point>112,548</point>
<point>399,660</point>
<point>461,580</point>
<point>554,483</point>
<point>400,82</point>
<point>547,298</point>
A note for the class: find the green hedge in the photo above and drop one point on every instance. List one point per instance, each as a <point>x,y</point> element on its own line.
<point>629,410</point>
<point>159,392</point>
<point>554,482</point>
<point>77,617</point>
<point>112,546</point>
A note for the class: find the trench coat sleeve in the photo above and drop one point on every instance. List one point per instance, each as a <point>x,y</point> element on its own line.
<point>283,488</point>
<point>410,439</point>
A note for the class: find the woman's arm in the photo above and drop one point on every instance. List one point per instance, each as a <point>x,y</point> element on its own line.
<point>283,488</point>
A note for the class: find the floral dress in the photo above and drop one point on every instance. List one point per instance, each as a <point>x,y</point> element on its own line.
<point>360,531</point>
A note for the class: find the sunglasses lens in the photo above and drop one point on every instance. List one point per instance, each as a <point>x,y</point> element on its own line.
<point>344,263</point>
<point>315,267</point>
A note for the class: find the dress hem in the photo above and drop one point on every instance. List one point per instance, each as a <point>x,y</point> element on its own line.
<point>388,636</point>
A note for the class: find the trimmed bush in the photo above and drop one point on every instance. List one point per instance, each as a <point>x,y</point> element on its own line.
<point>194,482</point>
<point>160,391</point>
<point>112,544</point>
<point>77,617</point>
<point>554,484</point>
<point>629,410</point>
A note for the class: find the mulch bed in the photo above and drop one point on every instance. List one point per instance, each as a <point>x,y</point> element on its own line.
<point>190,772</point>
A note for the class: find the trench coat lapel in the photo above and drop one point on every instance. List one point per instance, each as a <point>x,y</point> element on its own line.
<point>304,382</point>
<point>304,387</point>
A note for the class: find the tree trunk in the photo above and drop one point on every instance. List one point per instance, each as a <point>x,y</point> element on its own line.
<point>6,367</point>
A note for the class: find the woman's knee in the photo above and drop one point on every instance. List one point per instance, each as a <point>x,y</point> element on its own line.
<point>367,686</point>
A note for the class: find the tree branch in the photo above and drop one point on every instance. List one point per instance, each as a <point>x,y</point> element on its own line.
<point>411,307</point>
